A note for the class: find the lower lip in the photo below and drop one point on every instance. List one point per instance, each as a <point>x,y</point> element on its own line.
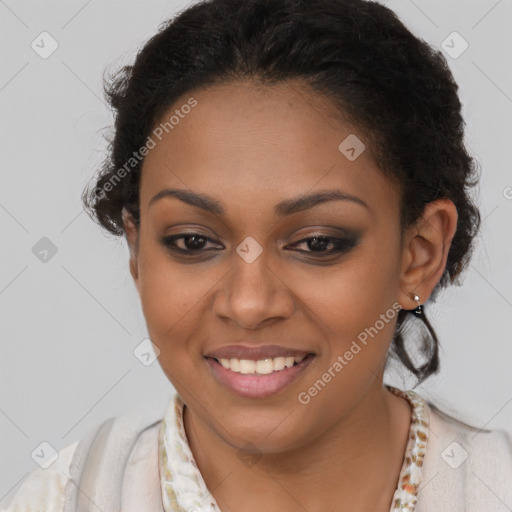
<point>258,386</point>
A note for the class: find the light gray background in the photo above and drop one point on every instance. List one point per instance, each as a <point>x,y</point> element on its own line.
<point>69,326</point>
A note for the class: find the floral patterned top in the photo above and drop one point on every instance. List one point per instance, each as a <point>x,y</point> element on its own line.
<point>183,487</point>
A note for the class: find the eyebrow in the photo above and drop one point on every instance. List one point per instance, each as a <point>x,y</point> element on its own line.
<point>286,207</point>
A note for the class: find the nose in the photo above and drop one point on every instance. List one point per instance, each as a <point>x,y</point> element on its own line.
<point>253,294</point>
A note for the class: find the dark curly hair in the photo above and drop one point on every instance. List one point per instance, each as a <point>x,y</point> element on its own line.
<point>396,88</point>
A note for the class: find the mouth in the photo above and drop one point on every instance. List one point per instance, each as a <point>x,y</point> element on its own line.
<point>258,378</point>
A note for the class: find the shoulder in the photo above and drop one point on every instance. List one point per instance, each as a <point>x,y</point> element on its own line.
<point>465,466</point>
<point>482,446</point>
<point>121,452</point>
<point>141,488</point>
<point>44,489</point>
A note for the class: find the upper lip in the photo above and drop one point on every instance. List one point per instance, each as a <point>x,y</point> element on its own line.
<point>255,353</point>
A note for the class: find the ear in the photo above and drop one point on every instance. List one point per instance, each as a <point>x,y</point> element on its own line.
<point>425,252</point>
<point>132,238</point>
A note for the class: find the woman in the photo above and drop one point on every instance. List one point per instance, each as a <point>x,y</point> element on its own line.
<point>293,186</point>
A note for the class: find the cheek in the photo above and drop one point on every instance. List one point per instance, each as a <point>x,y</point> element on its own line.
<point>168,294</point>
<point>356,307</point>
<point>357,313</point>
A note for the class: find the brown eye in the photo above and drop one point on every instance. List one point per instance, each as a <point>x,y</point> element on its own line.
<point>319,244</point>
<point>191,242</point>
<point>326,244</point>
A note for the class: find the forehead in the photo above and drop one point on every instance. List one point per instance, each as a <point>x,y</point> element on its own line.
<point>242,140</point>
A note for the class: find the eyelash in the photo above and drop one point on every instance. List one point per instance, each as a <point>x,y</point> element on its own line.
<point>341,245</point>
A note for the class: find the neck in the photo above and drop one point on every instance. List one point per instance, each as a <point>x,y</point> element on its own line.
<point>356,462</point>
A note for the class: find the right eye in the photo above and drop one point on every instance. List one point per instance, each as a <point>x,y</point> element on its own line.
<point>190,243</point>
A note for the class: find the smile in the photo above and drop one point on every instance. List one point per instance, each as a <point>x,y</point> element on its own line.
<point>262,366</point>
<point>258,378</point>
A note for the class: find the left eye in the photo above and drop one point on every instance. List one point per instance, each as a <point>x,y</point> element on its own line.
<point>320,244</point>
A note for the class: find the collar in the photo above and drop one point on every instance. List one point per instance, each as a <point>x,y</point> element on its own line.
<point>183,487</point>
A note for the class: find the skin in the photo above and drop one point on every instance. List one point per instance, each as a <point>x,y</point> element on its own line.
<point>250,148</point>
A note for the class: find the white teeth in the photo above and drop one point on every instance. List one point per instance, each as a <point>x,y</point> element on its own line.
<point>234,365</point>
<point>262,366</point>
<point>265,367</point>
<point>288,361</point>
<point>278,363</point>
<point>247,366</point>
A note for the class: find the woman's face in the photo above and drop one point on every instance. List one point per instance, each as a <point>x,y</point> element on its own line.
<point>253,283</point>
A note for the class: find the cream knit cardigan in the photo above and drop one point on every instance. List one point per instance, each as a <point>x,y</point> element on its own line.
<point>482,483</point>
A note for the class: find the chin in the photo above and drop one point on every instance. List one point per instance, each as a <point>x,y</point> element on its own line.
<point>270,433</point>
